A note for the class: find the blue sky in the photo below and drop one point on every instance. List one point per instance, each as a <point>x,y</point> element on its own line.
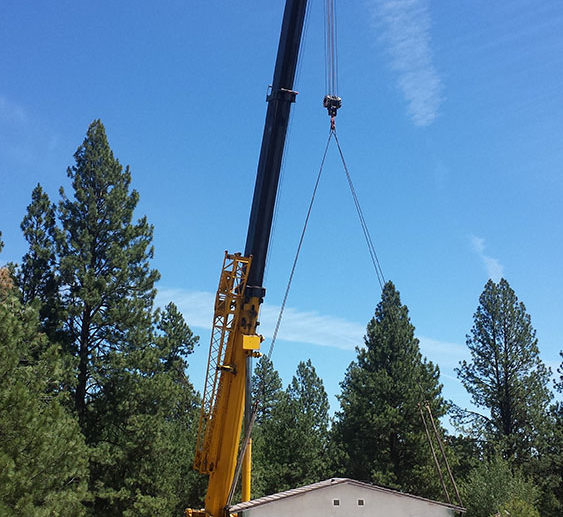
<point>452,127</point>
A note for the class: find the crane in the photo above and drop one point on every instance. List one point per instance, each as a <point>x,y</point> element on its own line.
<point>234,337</point>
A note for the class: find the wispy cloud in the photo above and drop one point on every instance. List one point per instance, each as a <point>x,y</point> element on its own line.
<point>312,327</point>
<point>301,326</point>
<point>446,354</point>
<point>26,140</point>
<point>297,326</point>
<point>11,112</point>
<point>405,30</point>
<point>494,268</point>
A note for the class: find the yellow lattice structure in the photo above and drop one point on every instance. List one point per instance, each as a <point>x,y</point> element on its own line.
<point>228,307</point>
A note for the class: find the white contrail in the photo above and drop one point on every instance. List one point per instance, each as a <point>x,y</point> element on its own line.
<point>404,28</point>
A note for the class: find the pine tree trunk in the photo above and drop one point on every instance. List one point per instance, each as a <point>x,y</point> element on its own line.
<point>80,396</point>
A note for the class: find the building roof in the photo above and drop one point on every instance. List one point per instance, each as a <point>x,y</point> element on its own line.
<point>327,483</point>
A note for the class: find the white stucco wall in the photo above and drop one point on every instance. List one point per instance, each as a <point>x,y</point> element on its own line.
<point>319,503</point>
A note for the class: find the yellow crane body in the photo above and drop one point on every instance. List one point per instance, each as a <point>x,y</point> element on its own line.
<point>233,339</point>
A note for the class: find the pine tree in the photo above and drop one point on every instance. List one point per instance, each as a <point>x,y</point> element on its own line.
<point>134,402</point>
<point>378,427</point>
<point>38,226</point>
<point>142,463</point>
<point>106,281</point>
<point>43,457</point>
<point>267,390</point>
<point>309,402</point>
<point>505,374</point>
<point>37,277</point>
<point>292,438</point>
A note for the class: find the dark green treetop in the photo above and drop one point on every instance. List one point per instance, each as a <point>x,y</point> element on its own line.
<point>38,276</point>
<point>174,338</point>
<point>37,272</point>
<point>107,285</point>
<point>378,427</point>
<point>307,392</point>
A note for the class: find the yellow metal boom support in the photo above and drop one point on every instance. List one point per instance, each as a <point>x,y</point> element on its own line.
<point>233,339</point>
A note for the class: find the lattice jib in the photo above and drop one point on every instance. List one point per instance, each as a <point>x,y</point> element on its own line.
<point>228,305</point>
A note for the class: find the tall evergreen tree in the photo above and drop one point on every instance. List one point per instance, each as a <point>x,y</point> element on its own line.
<point>37,277</point>
<point>133,400</point>
<point>43,457</point>
<point>378,427</point>
<point>505,375</point>
<point>267,390</point>
<point>309,401</point>
<point>146,416</point>
<point>38,226</point>
<point>106,281</point>
<point>292,438</point>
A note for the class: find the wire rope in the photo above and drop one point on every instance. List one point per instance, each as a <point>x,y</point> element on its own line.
<point>248,431</point>
<point>297,253</point>
<point>365,229</point>
<point>331,50</point>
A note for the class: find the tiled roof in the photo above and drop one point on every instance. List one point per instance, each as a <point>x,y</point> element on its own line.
<point>326,483</point>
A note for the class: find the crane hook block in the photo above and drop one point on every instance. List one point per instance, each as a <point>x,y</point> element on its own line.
<point>332,103</point>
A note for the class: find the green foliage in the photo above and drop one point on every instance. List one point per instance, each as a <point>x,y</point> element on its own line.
<point>505,374</point>
<point>266,388</point>
<point>37,277</point>
<point>98,416</point>
<point>518,508</point>
<point>175,339</point>
<point>43,458</point>
<point>267,391</point>
<point>465,453</point>
<point>146,417</point>
<point>103,260</point>
<point>546,465</point>
<point>88,268</point>
<point>291,440</point>
<point>559,383</point>
<point>492,485</point>
<point>378,428</point>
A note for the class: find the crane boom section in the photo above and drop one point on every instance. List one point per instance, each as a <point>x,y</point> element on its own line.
<point>223,398</point>
<point>228,302</point>
<point>234,339</point>
<point>280,99</point>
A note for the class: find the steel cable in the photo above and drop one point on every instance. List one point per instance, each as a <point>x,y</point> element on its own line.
<point>248,431</point>
<point>365,229</point>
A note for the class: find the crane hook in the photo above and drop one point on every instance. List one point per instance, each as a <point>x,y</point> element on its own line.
<point>332,103</point>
